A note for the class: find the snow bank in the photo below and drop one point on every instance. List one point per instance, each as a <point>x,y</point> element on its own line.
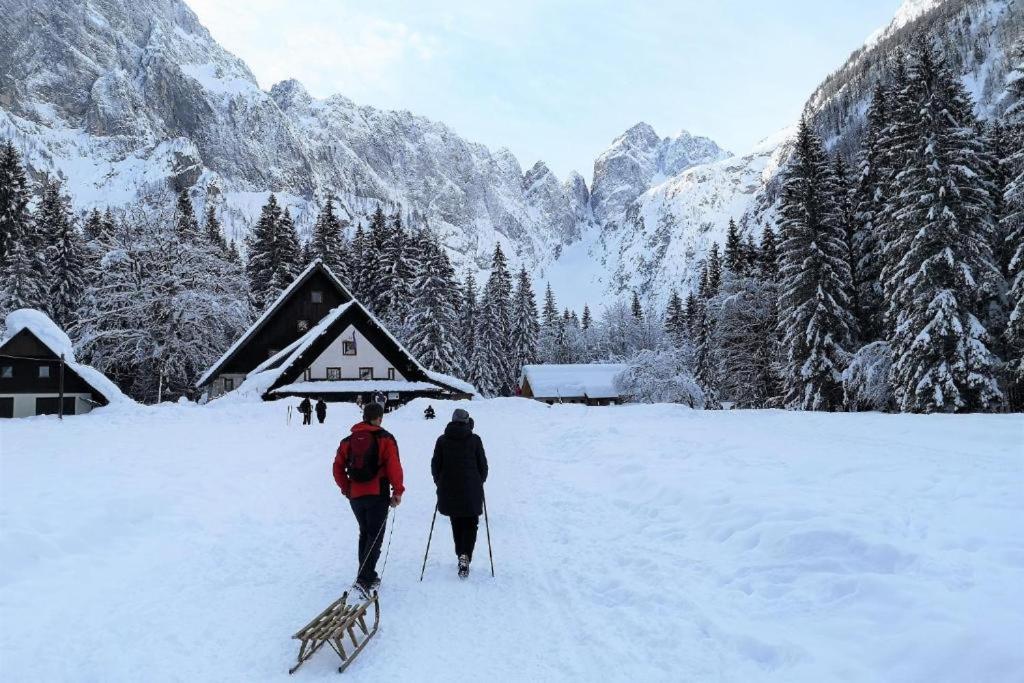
<point>631,543</point>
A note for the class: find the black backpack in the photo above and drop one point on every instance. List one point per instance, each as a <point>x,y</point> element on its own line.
<point>363,462</point>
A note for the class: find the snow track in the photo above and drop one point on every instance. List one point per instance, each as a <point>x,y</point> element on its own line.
<point>632,543</point>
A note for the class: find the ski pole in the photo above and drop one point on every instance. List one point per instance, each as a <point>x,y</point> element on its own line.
<point>487,525</point>
<point>430,536</point>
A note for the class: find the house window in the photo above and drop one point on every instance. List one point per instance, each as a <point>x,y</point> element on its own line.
<point>391,373</point>
<point>333,373</point>
<point>316,297</point>
<point>365,373</point>
<point>7,371</point>
<point>229,383</point>
<point>303,326</point>
<point>348,347</point>
<point>44,371</point>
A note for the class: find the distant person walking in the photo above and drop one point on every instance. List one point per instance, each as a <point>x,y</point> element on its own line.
<point>368,471</point>
<point>429,413</point>
<point>321,411</point>
<point>459,467</point>
<point>306,408</point>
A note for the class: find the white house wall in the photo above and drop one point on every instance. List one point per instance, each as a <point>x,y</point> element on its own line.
<point>25,404</point>
<point>367,356</point>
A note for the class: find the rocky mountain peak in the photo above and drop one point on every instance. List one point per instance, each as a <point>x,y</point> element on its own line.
<point>290,93</point>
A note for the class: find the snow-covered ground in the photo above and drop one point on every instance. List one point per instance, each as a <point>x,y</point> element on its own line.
<point>639,543</point>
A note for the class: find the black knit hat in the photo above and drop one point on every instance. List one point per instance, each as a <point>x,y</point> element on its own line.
<point>372,411</point>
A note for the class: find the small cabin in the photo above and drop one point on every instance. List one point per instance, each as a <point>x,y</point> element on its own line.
<point>591,384</point>
<point>38,372</point>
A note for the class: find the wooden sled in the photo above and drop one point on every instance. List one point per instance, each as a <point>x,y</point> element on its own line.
<point>332,626</point>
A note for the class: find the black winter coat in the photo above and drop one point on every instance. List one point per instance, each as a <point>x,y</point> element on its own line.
<point>459,467</point>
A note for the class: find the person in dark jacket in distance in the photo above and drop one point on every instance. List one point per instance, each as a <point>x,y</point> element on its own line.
<point>459,467</point>
<point>306,408</point>
<point>321,410</point>
<point>371,498</point>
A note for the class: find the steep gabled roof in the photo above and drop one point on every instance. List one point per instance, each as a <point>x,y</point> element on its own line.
<point>287,370</point>
<point>316,266</point>
<point>36,325</point>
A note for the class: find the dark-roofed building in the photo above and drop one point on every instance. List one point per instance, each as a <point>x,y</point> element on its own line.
<point>295,312</point>
<point>39,375</point>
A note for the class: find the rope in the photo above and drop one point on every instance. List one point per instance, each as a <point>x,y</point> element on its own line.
<point>375,539</point>
<point>387,552</point>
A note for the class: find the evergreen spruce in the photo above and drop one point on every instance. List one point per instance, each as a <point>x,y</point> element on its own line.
<point>587,320</point>
<point>1012,231</point>
<point>185,218</point>
<point>467,316</point>
<point>375,289</point>
<point>212,229</point>
<point>491,366</point>
<point>815,280</point>
<point>735,255</point>
<point>432,313</point>
<point>14,199</point>
<point>636,309</point>
<point>66,256</point>
<point>675,320</point>
<point>768,263</point>
<point>525,326</point>
<point>940,253</point>
<point>274,255</point>
<point>845,215</point>
<point>328,243</point>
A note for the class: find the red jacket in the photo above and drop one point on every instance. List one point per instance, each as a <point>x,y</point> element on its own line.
<point>390,466</point>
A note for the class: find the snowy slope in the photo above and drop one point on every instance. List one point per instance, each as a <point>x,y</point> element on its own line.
<point>185,543</point>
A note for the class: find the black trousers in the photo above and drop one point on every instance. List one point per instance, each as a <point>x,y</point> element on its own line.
<point>372,513</point>
<point>305,418</point>
<point>320,418</point>
<point>464,532</point>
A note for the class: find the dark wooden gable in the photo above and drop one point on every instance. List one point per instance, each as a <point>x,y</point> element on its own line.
<point>281,326</point>
<point>24,353</point>
<point>357,317</point>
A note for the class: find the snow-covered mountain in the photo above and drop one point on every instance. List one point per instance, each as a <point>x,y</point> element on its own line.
<point>667,228</point>
<point>126,100</point>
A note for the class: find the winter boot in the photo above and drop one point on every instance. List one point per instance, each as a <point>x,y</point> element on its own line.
<point>363,589</point>
<point>463,566</point>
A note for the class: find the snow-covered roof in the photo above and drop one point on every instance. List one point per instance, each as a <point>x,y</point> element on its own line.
<point>353,385</point>
<point>44,329</point>
<point>453,382</point>
<point>317,263</point>
<point>594,380</point>
<point>273,366</point>
<point>57,341</point>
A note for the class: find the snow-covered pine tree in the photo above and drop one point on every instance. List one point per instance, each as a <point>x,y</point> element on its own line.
<point>491,367</point>
<point>752,254</point>
<point>66,256</point>
<point>357,269</point>
<point>550,328</point>
<point>263,259</point>
<point>290,249</point>
<point>768,262</point>
<point>814,314</point>
<point>711,275</point>
<point>400,273</point>
<point>870,193</point>
<point>675,320</point>
<point>328,242</point>
<point>467,311</point>
<point>705,360</point>
<point>212,228</point>
<point>845,214</point>
<point>941,252</point>
<point>735,256</point>
<point>185,221</point>
<point>746,341</point>
<point>692,304</point>
<point>376,286</point>
<point>1012,229</point>
<point>635,308</point>
<point>587,319</point>
<point>525,326</point>
<point>14,198</point>
<point>432,318</point>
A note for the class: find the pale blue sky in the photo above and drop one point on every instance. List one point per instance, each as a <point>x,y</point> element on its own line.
<point>557,80</point>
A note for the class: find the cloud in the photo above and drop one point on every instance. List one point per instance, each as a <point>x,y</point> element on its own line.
<point>329,46</point>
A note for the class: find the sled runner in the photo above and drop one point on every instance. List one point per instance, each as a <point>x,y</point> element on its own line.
<point>333,625</point>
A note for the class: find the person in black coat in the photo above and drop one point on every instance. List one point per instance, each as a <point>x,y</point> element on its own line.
<point>459,467</point>
<point>321,410</point>
<point>306,408</point>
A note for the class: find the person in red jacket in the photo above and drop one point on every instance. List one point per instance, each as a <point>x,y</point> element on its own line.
<point>369,473</point>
